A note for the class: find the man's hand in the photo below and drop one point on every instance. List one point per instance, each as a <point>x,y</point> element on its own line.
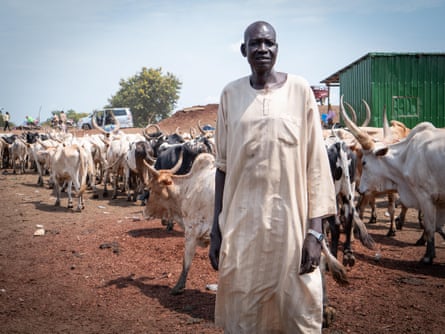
<point>215,246</point>
<point>310,256</point>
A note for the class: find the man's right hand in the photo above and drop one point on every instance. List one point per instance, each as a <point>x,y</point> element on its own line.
<point>215,247</point>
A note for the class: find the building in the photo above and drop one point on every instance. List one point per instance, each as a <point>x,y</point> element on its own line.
<point>410,85</point>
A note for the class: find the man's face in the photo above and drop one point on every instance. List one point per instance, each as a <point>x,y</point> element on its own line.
<point>260,48</point>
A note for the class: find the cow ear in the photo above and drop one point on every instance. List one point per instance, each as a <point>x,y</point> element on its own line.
<point>381,151</point>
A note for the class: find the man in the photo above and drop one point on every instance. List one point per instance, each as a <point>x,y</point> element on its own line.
<point>273,187</point>
<point>63,121</point>
<point>6,118</point>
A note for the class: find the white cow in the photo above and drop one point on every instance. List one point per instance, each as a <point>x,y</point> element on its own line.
<point>70,164</point>
<point>412,167</point>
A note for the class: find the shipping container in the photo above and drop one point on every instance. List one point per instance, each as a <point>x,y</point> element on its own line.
<point>411,86</point>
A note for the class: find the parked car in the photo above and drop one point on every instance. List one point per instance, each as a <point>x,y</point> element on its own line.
<point>104,118</point>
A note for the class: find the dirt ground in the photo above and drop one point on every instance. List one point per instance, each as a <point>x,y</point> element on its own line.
<point>107,270</point>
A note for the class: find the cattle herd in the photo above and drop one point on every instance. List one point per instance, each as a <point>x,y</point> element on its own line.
<point>172,174</point>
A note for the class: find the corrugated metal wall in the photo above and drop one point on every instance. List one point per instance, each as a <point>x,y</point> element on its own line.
<point>411,86</point>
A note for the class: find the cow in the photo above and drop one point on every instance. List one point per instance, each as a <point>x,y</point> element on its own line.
<point>413,168</point>
<point>189,199</point>
<point>135,170</point>
<point>70,164</point>
<point>342,161</point>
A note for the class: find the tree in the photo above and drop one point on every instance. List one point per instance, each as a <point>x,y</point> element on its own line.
<point>150,95</point>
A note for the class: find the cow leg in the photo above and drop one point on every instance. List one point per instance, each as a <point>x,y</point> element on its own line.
<point>391,210</point>
<point>57,190</point>
<point>348,256</point>
<point>363,202</point>
<point>430,216</point>
<point>68,191</point>
<point>106,176</point>
<point>400,219</point>
<point>189,253</point>
<point>335,234</point>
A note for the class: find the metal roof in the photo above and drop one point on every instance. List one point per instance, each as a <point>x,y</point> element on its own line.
<point>334,79</point>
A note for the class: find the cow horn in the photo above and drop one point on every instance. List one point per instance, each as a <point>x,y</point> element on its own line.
<point>363,138</point>
<point>178,164</point>
<point>387,134</point>
<point>200,128</point>
<point>151,169</point>
<point>368,114</point>
<point>192,132</point>
<point>354,115</point>
<point>93,121</point>
<point>118,124</point>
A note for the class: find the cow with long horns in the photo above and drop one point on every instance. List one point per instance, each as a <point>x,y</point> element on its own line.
<point>413,168</point>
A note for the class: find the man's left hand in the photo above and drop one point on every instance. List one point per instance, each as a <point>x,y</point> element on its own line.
<point>310,256</point>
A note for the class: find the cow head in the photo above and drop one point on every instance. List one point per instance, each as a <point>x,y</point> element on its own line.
<point>163,192</point>
<point>374,169</point>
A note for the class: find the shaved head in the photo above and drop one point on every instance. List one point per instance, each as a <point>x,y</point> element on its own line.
<point>258,26</point>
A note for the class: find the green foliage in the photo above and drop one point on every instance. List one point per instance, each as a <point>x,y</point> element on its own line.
<point>150,95</point>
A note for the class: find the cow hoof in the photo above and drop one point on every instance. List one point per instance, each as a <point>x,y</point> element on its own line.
<point>57,203</point>
<point>105,194</point>
<point>426,260</point>
<point>348,259</point>
<point>399,223</point>
<point>95,196</point>
<point>420,242</point>
<point>372,220</point>
<point>329,314</point>
<point>391,233</point>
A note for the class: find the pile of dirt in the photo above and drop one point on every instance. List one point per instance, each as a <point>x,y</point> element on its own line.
<point>189,117</point>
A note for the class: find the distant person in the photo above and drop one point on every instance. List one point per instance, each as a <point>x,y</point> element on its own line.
<point>55,121</point>
<point>330,116</point>
<point>63,121</point>
<point>6,118</point>
<point>29,120</point>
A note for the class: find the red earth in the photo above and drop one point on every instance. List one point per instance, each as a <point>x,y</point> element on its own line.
<point>107,270</point>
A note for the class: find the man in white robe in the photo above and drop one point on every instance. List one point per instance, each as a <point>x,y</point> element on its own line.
<point>273,186</point>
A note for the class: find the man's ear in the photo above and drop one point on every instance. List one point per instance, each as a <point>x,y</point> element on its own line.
<point>243,49</point>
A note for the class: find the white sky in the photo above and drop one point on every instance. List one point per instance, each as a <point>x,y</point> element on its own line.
<point>71,54</point>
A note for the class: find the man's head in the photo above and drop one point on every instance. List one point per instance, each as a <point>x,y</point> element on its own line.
<point>260,46</point>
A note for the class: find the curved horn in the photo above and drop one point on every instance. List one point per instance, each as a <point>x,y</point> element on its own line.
<point>192,132</point>
<point>151,169</point>
<point>363,138</point>
<point>178,164</point>
<point>118,124</point>
<point>177,130</point>
<point>354,115</point>
<point>387,134</point>
<point>145,130</point>
<point>368,114</point>
<point>200,128</point>
<point>93,121</point>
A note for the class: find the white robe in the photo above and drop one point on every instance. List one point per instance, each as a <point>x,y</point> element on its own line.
<point>270,144</point>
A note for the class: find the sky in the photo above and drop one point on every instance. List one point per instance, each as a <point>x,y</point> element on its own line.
<point>71,54</point>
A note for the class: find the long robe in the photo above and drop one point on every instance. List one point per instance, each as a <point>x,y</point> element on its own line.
<point>270,145</point>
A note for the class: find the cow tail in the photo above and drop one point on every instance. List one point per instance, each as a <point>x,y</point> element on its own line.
<point>83,173</point>
<point>364,236</point>
<point>337,270</point>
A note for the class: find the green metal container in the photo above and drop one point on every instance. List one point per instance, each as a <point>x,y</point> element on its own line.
<point>411,86</point>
